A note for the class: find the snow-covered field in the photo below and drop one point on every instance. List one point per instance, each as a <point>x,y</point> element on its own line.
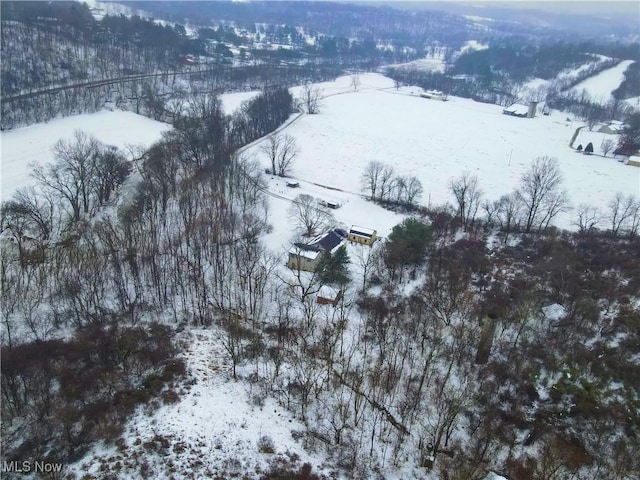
<point>22,146</point>
<point>570,74</point>
<point>438,141</point>
<point>232,101</point>
<point>472,46</point>
<point>599,87</point>
<point>426,64</point>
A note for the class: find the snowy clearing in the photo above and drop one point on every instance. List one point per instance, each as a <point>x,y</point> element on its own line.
<point>353,210</point>
<point>232,101</point>
<point>633,102</point>
<point>216,426</point>
<point>29,144</point>
<point>473,46</point>
<point>599,87</point>
<point>426,64</point>
<point>438,141</point>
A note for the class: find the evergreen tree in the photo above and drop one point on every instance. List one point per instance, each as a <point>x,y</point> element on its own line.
<point>333,268</point>
<point>408,242</point>
<point>589,148</point>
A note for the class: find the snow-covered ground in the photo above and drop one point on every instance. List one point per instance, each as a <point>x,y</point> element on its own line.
<point>599,87</point>
<point>427,64</point>
<point>232,101</point>
<point>574,72</point>
<point>25,145</point>
<point>472,46</point>
<point>434,63</point>
<point>534,83</point>
<point>568,74</point>
<point>438,141</point>
<point>216,426</point>
<point>634,102</point>
<point>101,9</point>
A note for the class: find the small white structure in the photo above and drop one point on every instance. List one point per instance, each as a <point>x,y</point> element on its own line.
<point>434,95</point>
<point>334,204</point>
<point>522,111</point>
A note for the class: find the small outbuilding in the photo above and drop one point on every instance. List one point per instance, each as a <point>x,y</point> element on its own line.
<point>612,128</point>
<point>333,204</point>
<point>434,95</point>
<point>362,235</point>
<point>520,110</point>
<point>329,296</point>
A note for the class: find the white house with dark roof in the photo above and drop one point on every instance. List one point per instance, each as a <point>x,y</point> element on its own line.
<point>362,235</point>
<point>520,110</point>
<point>301,258</point>
<point>305,256</point>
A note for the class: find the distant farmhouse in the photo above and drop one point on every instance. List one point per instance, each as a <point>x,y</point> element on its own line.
<point>364,236</point>
<point>613,127</point>
<point>305,256</point>
<point>521,111</point>
<point>434,95</point>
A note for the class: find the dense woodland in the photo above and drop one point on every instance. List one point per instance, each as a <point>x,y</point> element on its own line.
<point>444,352</point>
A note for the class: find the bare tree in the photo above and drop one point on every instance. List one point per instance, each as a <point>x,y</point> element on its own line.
<point>607,146</point>
<point>371,178</point>
<point>36,209</point>
<point>537,94</point>
<point>624,214</point>
<point>281,151</point>
<point>308,214</point>
<point>355,81</point>
<point>407,190</point>
<point>72,173</point>
<point>311,99</point>
<point>271,148</point>
<point>111,169</point>
<point>490,209</point>
<point>540,193</point>
<point>286,155</point>
<point>365,258</point>
<point>587,219</point>
<point>413,190</point>
<point>507,212</point>
<point>468,196</point>
<point>387,182</point>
